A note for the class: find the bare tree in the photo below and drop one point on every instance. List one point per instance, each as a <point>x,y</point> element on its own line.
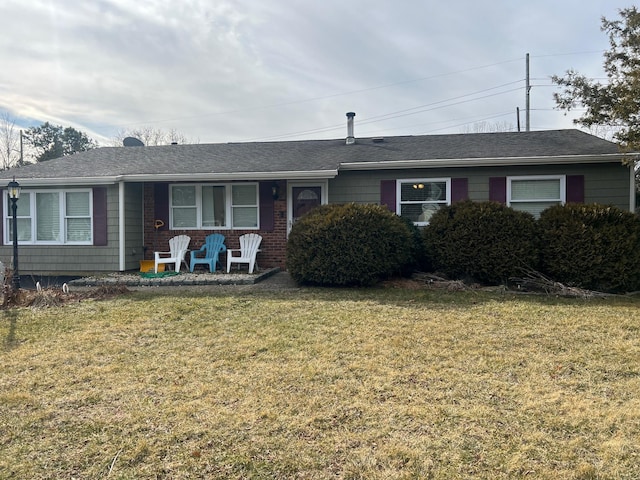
<point>151,136</point>
<point>488,127</point>
<point>10,148</point>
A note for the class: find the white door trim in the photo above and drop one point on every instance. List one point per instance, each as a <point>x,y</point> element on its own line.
<point>324,197</point>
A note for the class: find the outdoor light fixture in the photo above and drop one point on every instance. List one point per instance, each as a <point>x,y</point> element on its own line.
<point>275,191</point>
<point>13,189</point>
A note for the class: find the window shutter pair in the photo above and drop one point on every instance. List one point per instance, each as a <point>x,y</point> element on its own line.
<point>265,195</point>
<point>99,216</point>
<point>459,191</point>
<point>574,191</point>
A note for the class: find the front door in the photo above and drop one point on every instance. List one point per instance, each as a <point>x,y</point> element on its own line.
<point>304,198</point>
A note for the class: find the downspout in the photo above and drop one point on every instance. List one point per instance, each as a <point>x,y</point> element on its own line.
<point>632,190</point>
<point>121,223</point>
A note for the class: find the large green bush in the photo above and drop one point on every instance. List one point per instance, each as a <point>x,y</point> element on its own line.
<point>419,259</point>
<point>485,241</point>
<point>348,245</point>
<point>591,246</point>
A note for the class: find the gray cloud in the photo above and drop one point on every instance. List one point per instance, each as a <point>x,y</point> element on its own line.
<point>241,70</point>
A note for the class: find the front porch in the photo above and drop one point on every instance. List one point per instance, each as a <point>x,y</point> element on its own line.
<point>136,279</point>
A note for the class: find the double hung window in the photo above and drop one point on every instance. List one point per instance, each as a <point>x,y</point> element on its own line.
<point>533,194</point>
<point>51,217</point>
<point>420,198</point>
<point>214,206</point>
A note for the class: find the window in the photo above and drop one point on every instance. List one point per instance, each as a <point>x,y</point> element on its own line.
<point>534,194</point>
<point>214,206</point>
<point>51,217</point>
<point>420,198</point>
<point>244,206</point>
<point>77,217</point>
<point>184,206</point>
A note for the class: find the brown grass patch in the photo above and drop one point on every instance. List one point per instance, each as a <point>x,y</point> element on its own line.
<point>55,297</point>
<point>321,383</point>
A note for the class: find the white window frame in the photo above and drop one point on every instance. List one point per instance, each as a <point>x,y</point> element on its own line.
<point>563,189</point>
<point>418,181</point>
<point>228,192</point>
<point>30,195</point>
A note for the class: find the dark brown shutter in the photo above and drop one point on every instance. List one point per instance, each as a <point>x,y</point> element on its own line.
<point>388,194</point>
<point>100,237</point>
<point>3,195</point>
<point>161,203</point>
<point>266,207</point>
<point>498,189</point>
<point>459,189</point>
<point>575,188</point>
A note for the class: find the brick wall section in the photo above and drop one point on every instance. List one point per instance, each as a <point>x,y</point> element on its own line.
<point>273,246</point>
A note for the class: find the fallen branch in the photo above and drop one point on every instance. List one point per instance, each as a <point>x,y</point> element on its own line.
<point>538,282</point>
<point>434,281</point>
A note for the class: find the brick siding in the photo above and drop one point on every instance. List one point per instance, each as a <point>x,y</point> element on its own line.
<point>273,247</point>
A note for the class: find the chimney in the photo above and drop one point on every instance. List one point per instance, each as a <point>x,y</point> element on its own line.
<point>350,138</point>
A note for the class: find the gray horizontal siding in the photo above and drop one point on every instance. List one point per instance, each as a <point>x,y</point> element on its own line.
<point>134,226</point>
<point>83,259</point>
<point>604,183</point>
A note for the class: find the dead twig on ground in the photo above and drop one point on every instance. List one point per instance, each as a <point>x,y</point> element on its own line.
<point>537,282</point>
<point>434,281</point>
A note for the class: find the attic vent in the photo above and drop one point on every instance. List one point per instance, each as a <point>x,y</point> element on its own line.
<point>378,140</point>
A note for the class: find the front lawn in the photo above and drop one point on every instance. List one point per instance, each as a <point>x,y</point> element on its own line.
<point>322,384</point>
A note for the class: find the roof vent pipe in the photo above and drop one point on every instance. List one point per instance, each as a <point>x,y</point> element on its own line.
<point>350,138</point>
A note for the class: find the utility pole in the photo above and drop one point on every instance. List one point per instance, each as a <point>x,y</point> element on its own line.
<point>528,90</point>
<point>21,156</point>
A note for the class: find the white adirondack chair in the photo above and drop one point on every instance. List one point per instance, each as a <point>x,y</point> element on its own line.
<point>249,245</point>
<point>178,247</point>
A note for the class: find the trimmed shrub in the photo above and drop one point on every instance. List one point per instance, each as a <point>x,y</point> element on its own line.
<point>419,259</point>
<point>348,245</point>
<point>486,241</point>
<point>596,247</point>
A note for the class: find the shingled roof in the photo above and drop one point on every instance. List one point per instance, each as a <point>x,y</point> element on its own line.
<point>315,158</point>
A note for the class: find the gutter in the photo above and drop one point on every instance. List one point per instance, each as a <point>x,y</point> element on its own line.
<point>184,177</point>
<point>482,162</point>
<point>290,175</point>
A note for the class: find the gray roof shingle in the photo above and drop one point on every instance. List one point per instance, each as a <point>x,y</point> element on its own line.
<point>268,159</point>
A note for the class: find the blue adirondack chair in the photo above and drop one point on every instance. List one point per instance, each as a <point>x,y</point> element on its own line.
<point>213,245</point>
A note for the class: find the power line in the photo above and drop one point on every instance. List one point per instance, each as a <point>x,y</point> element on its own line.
<point>401,113</point>
<point>356,91</point>
<point>323,97</point>
<point>467,123</point>
<point>568,54</point>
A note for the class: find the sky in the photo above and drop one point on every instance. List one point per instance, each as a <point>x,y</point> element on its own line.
<point>272,70</point>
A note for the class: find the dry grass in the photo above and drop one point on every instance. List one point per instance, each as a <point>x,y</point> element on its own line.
<point>318,384</point>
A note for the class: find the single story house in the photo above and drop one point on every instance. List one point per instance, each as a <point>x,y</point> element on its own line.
<point>106,209</point>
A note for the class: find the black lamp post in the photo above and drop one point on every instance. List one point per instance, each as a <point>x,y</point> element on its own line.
<point>14,193</point>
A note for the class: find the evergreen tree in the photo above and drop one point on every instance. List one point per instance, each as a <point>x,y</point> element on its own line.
<point>615,103</point>
<point>54,141</point>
